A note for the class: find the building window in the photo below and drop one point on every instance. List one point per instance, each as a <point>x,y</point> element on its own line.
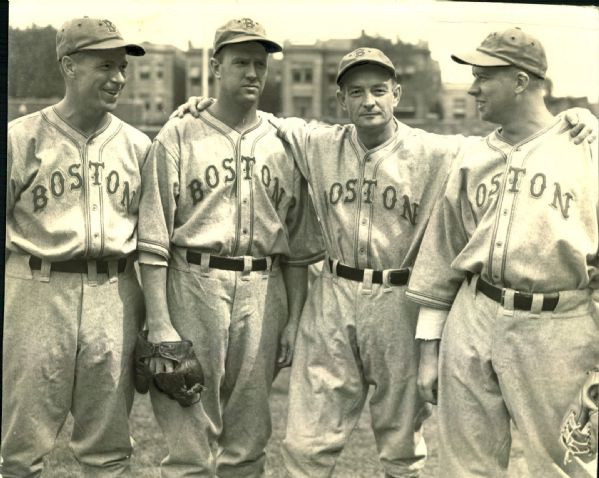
<point>146,100</point>
<point>302,75</point>
<point>195,76</point>
<point>459,108</point>
<point>159,104</point>
<point>144,72</point>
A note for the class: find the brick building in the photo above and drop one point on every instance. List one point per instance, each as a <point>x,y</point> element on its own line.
<point>157,80</point>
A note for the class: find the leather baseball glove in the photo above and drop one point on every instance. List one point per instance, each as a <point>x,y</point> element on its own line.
<point>184,384</point>
<point>579,427</point>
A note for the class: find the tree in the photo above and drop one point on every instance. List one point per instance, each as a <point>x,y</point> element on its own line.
<point>32,65</point>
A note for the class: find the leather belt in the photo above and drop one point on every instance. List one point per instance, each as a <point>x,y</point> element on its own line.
<point>522,300</point>
<point>77,266</point>
<point>396,276</point>
<point>226,263</point>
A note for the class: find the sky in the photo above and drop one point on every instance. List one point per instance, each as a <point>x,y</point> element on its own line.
<point>570,34</point>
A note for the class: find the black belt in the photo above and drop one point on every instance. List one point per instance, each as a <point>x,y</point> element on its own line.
<point>226,263</point>
<point>77,266</point>
<point>522,300</point>
<point>396,276</point>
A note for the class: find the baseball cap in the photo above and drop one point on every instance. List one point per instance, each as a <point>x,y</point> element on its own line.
<point>510,47</point>
<point>362,56</point>
<point>243,30</point>
<point>91,34</point>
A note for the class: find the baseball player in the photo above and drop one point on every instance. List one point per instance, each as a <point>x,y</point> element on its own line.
<point>226,233</point>
<point>73,305</point>
<point>373,183</point>
<point>512,250</point>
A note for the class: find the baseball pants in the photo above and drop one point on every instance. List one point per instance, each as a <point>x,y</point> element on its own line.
<point>234,320</point>
<point>67,347</point>
<point>353,336</point>
<point>498,364</point>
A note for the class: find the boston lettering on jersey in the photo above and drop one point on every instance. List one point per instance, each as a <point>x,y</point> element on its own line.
<point>213,176</point>
<point>339,193</point>
<point>58,184</point>
<point>537,185</point>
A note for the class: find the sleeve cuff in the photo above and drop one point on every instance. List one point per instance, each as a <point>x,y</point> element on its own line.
<point>151,259</point>
<point>430,323</point>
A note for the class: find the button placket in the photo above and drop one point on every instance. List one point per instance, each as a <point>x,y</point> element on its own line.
<point>245,192</point>
<point>367,197</point>
<point>95,200</point>
<point>505,205</point>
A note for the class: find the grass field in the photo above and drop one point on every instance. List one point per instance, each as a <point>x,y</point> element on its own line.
<point>359,459</point>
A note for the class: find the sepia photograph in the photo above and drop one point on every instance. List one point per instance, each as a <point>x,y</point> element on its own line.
<point>301,239</point>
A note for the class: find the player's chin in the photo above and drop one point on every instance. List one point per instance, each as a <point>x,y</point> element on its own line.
<point>109,101</point>
<point>249,98</point>
<point>371,122</point>
<point>109,105</point>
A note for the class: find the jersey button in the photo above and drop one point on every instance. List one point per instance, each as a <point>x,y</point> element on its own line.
<point>94,207</point>
<point>364,221</point>
<point>244,201</point>
<point>499,243</point>
<point>361,250</point>
<point>96,235</point>
<point>245,231</point>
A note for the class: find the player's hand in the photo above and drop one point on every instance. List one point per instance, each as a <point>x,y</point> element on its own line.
<point>287,343</point>
<point>428,371</point>
<point>167,334</point>
<point>193,106</point>
<point>584,125</point>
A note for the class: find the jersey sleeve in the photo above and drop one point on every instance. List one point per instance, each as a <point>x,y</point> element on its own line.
<point>306,243</point>
<point>158,203</point>
<point>433,283</point>
<point>296,132</point>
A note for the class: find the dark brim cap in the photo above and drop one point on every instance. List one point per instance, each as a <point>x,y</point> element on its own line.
<point>364,56</point>
<point>130,48</point>
<point>478,58</point>
<point>269,45</point>
<point>244,30</point>
<point>87,33</point>
<point>510,47</point>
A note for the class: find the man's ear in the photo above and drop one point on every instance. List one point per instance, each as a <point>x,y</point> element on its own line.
<point>215,67</point>
<point>396,94</point>
<point>341,98</point>
<point>522,81</point>
<point>69,67</point>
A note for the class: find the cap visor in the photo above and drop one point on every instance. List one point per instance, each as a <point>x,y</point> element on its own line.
<point>365,62</point>
<point>269,45</point>
<point>130,48</point>
<point>478,58</point>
